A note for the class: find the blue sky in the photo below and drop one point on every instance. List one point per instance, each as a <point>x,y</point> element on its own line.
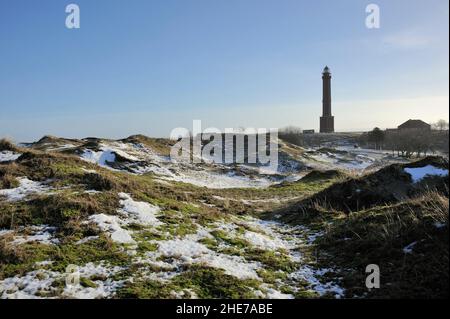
<point>147,66</point>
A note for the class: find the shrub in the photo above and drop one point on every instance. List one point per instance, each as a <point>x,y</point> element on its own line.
<point>6,145</point>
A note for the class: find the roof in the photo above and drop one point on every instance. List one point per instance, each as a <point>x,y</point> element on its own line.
<point>414,124</point>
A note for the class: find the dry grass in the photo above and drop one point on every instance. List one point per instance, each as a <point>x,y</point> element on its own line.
<point>7,145</point>
<point>378,236</point>
<point>7,180</point>
<point>353,239</point>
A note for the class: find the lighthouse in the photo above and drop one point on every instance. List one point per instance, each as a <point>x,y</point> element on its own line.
<point>326,120</point>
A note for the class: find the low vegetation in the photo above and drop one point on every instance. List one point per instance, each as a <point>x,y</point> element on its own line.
<point>7,145</point>
<point>357,220</point>
<point>409,242</point>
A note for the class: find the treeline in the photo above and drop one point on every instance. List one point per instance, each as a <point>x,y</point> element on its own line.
<point>292,134</point>
<point>409,142</point>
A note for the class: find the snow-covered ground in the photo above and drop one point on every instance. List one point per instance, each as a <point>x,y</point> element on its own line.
<point>141,212</point>
<point>101,158</point>
<point>7,156</point>
<point>173,253</point>
<point>418,173</point>
<point>141,160</point>
<point>349,158</point>
<point>190,251</point>
<point>63,147</point>
<point>138,159</point>
<point>290,238</point>
<point>338,161</point>
<point>39,283</point>
<point>43,234</point>
<point>26,187</point>
<point>131,212</point>
<point>265,235</point>
<point>112,225</point>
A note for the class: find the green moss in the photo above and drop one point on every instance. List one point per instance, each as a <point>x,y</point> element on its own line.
<point>234,241</point>
<point>209,242</point>
<point>286,290</point>
<point>57,209</point>
<point>270,276</point>
<point>70,213</point>
<point>144,247</point>
<point>205,282</point>
<point>98,250</point>
<point>59,283</point>
<point>190,209</point>
<point>305,294</point>
<point>148,234</point>
<point>177,224</point>
<point>146,289</point>
<point>20,259</point>
<point>13,214</point>
<point>17,260</point>
<point>87,283</point>
<point>273,260</point>
<point>233,251</point>
<point>214,283</point>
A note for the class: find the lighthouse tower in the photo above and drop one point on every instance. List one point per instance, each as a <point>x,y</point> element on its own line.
<point>326,120</point>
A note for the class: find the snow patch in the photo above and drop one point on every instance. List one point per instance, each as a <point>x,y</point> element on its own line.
<point>439,225</point>
<point>61,148</point>
<point>38,284</point>
<point>111,224</point>
<point>8,156</point>
<point>189,251</point>
<point>131,212</point>
<point>311,275</point>
<point>290,238</point>
<point>263,241</point>
<point>4,232</point>
<point>27,286</point>
<point>101,158</point>
<point>103,289</point>
<point>409,248</point>
<point>418,173</point>
<point>144,213</point>
<point>42,234</point>
<point>90,171</point>
<point>86,239</point>
<point>275,294</point>
<point>26,187</point>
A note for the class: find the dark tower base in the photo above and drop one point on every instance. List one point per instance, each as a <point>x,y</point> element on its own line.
<point>326,124</point>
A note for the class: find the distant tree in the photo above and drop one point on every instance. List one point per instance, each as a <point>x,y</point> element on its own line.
<point>441,125</point>
<point>409,142</point>
<point>423,143</point>
<point>291,130</point>
<point>391,141</point>
<point>376,136</point>
<point>292,134</point>
<point>440,141</point>
<point>363,139</point>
